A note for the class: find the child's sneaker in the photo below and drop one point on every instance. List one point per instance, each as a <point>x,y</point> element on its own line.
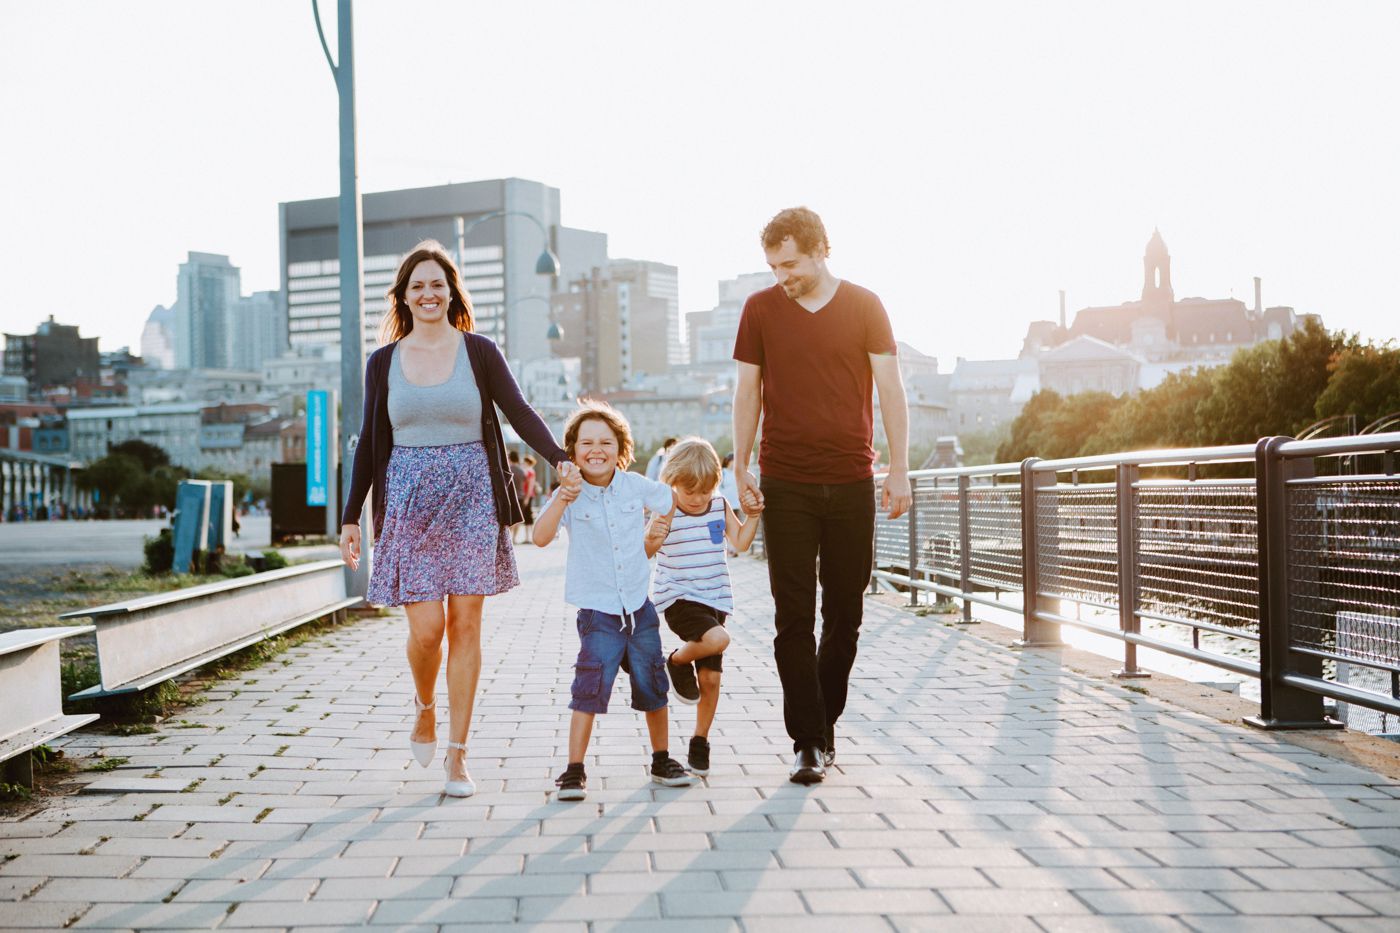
<point>667,770</point>
<point>683,683</point>
<point>573,783</point>
<point>698,759</point>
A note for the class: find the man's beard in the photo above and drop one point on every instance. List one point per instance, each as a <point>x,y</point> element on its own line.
<point>797,287</point>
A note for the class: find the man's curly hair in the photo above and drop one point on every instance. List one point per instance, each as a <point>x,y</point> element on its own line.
<point>805,228</point>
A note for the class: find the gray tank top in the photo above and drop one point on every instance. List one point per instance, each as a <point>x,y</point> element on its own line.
<point>436,415</point>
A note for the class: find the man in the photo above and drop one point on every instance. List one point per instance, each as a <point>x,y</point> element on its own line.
<point>807,351</point>
<point>658,459</point>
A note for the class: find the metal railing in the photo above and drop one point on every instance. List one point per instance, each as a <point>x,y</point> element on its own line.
<point>1279,560</point>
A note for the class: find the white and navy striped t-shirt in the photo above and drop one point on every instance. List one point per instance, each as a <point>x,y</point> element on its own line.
<point>691,563</point>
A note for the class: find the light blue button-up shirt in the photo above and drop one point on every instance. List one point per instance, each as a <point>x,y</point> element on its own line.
<point>608,570</point>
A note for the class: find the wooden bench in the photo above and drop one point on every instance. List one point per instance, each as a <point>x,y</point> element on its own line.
<point>31,697</point>
<point>142,642</point>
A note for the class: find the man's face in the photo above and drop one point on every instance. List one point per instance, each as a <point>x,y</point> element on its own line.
<point>797,272</point>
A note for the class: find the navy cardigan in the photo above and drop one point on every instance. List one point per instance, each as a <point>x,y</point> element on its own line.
<point>498,388</point>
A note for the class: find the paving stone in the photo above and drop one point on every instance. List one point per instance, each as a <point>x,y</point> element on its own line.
<point>154,916</point>
<point>1286,903</point>
<point>1154,902</point>
<point>108,890</point>
<point>319,913</point>
<point>30,915</point>
<point>1020,902</point>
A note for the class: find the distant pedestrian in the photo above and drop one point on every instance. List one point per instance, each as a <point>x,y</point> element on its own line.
<point>532,489</point>
<point>432,450</point>
<point>809,351</point>
<point>658,459</point>
<point>692,586</point>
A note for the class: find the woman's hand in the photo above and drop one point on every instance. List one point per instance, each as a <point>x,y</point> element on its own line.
<point>350,546</point>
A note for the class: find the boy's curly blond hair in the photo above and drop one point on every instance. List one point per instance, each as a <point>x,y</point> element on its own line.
<point>692,465</point>
<point>593,410</point>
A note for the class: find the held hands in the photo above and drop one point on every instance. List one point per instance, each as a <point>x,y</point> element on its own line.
<point>570,481</point>
<point>895,495</point>
<point>660,526</point>
<point>750,498</point>
<point>350,546</point>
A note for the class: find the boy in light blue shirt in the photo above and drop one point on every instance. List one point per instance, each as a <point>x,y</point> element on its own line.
<point>607,577</point>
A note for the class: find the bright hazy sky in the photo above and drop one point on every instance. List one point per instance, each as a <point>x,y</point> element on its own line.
<point>969,159</point>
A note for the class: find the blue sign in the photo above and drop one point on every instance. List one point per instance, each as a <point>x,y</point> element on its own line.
<point>317,442</point>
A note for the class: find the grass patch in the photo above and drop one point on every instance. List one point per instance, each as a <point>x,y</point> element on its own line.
<point>107,764</point>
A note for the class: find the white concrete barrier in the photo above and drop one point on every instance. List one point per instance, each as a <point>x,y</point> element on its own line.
<point>31,696</point>
<point>144,641</point>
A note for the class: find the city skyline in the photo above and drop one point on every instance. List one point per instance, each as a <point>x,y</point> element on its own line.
<point>972,168</point>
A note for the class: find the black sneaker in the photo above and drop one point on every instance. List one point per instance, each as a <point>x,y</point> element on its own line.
<point>668,771</point>
<point>829,753</point>
<point>573,783</point>
<point>698,759</point>
<point>684,687</point>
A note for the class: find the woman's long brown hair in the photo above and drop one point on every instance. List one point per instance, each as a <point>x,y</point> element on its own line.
<point>398,319</point>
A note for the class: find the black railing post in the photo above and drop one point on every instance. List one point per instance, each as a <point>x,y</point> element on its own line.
<point>965,544</point>
<point>1126,508</point>
<point>1280,705</point>
<point>913,517</point>
<point>1035,633</point>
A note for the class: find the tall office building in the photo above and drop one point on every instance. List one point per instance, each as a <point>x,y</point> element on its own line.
<point>621,321</point>
<point>497,257</point>
<point>158,338</point>
<point>261,330</point>
<point>206,324</point>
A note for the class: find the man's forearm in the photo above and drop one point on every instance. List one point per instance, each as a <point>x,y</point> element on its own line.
<point>895,416</point>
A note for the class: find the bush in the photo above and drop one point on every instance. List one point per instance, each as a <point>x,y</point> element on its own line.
<point>273,560</point>
<point>160,553</point>
<point>236,567</point>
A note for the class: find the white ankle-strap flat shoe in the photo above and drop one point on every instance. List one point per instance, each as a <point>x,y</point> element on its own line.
<point>457,788</point>
<point>423,752</point>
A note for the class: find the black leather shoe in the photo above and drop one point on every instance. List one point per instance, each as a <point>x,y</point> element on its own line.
<point>807,769</point>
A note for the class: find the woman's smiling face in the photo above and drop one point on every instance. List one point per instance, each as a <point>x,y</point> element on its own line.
<point>596,451</point>
<point>428,293</point>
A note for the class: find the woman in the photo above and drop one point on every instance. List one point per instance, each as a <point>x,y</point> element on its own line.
<point>443,497</point>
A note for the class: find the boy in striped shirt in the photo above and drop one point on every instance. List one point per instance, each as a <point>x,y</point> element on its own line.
<point>691,586</point>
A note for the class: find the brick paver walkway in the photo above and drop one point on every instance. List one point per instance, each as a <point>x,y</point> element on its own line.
<point>977,789</point>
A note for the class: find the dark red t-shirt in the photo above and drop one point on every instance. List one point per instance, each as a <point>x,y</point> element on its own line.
<point>817,381</point>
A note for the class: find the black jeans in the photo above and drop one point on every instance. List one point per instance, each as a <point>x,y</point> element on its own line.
<point>813,531</point>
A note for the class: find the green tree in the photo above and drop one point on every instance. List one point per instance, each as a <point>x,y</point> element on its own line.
<point>1163,416</point>
<point>1028,428</point>
<point>1271,388</point>
<point>1365,382</point>
<point>148,455</point>
<point>114,478</point>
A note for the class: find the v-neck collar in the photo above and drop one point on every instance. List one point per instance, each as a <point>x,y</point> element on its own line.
<point>799,306</point>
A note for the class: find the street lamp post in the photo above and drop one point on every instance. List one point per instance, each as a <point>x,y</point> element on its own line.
<point>546,264</point>
<point>352,338</point>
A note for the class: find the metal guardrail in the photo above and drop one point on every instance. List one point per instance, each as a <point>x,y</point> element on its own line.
<point>143,641</point>
<point>1256,559</point>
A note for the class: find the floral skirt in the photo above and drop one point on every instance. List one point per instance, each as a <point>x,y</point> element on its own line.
<point>441,536</point>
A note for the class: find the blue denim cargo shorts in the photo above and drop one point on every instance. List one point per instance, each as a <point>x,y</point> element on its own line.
<point>603,640</point>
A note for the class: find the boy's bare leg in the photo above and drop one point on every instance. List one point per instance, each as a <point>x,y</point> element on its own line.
<point>714,642</point>
<point>580,731</point>
<point>709,700</point>
<point>659,728</point>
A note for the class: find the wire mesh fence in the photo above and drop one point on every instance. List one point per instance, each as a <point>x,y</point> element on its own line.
<point>1197,549</point>
<point>1077,543</point>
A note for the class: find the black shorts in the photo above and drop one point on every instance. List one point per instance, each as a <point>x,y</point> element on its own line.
<point>691,621</point>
